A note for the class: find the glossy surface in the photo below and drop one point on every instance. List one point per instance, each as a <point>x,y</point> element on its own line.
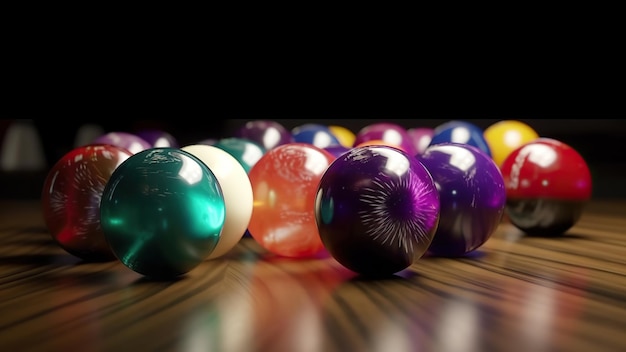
<point>315,134</point>
<point>162,212</point>
<point>236,189</point>
<point>548,183</point>
<point>379,142</point>
<point>544,216</point>
<point>284,183</point>
<point>345,136</point>
<point>547,168</point>
<point>472,196</point>
<point>517,294</point>
<point>377,210</point>
<point>503,137</point>
<point>337,150</point>
<point>158,138</point>
<point>71,196</point>
<point>461,132</point>
<point>129,141</point>
<point>389,132</point>
<point>269,134</point>
<point>245,151</point>
<point>421,137</point>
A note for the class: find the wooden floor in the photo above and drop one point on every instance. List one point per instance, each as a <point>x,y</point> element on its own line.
<point>515,293</point>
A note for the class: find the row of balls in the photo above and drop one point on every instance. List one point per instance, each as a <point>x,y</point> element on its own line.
<point>375,207</point>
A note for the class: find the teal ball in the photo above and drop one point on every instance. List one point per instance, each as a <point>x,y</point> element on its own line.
<point>162,212</point>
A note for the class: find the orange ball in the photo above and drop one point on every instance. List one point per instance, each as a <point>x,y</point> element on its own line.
<point>505,136</point>
<point>284,185</point>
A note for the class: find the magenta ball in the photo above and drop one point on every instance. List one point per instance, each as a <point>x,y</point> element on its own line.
<point>377,209</point>
<point>472,195</point>
<point>421,137</point>
<point>390,133</point>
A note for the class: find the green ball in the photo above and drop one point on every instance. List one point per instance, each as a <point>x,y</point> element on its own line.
<point>245,151</point>
<point>162,212</point>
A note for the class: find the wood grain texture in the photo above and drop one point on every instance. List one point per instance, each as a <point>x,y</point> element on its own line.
<point>515,293</point>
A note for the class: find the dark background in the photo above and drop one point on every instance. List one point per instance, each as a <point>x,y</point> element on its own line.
<point>599,140</point>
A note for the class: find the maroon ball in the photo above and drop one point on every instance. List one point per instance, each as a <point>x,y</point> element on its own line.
<point>71,198</point>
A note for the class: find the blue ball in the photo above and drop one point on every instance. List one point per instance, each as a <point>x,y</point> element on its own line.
<point>461,132</point>
<point>315,134</point>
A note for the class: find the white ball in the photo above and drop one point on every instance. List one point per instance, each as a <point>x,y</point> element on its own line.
<point>237,191</point>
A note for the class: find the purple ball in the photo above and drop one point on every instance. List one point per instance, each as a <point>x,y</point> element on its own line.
<point>377,209</point>
<point>472,195</point>
<point>390,133</point>
<point>269,134</point>
<point>158,138</point>
<point>128,141</point>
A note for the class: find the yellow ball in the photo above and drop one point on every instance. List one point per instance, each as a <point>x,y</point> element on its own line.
<point>503,137</point>
<point>344,135</point>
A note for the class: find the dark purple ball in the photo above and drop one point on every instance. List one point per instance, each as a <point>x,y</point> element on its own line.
<point>376,209</point>
<point>472,195</point>
<point>158,138</point>
<point>269,134</point>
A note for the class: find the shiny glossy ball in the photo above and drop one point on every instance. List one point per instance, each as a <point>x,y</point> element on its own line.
<point>377,209</point>
<point>162,212</point>
<point>158,138</point>
<point>505,136</point>
<point>245,151</point>
<point>129,141</point>
<point>390,133</point>
<point>237,191</point>
<point>472,196</point>
<point>548,184</point>
<point>345,136</point>
<point>421,137</point>
<point>316,134</point>
<point>71,199</point>
<point>269,134</point>
<point>284,183</point>
<point>461,132</point>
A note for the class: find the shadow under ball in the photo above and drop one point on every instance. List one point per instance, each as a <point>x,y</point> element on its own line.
<point>548,184</point>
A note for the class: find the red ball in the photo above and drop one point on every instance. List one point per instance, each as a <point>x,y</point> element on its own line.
<point>548,184</point>
<point>71,199</point>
